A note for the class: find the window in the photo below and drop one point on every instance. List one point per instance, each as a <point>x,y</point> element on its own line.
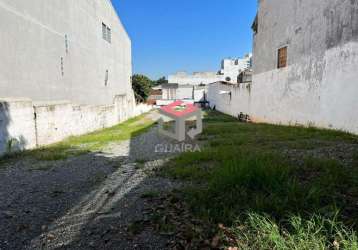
<point>66,43</point>
<point>62,67</point>
<point>228,79</point>
<point>106,78</point>
<point>255,25</point>
<point>106,33</point>
<point>109,35</point>
<point>282,58</point>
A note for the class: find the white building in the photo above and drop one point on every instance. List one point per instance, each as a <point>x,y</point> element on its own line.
<point>63,50</point>
<point>198,81</point>
<point>197,78</point>
<point>230,70</point>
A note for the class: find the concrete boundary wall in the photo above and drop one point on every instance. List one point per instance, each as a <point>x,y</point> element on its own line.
<point>26,125</point>
<point>17,126</point>
<point>230,99</point>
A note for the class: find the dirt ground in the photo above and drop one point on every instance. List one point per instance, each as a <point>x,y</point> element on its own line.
<point>90,201</point>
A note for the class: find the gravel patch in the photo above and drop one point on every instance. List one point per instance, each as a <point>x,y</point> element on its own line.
<point>84,202</point>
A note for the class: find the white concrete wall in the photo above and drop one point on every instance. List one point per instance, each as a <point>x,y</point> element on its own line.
<point>184,92</point>
<point>320,84</point>
<point>56,122</point>
<point>332,103</point>
<point>230,99</point>
<point>182,78</point>
<point>17,127</point>
<point>36,35</point>
<point>30,124</point>
<point>169,94</point>
<point>199,93</point>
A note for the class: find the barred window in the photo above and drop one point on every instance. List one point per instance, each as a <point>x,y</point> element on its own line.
<point>109,35</point>
<point>106,33</point>
<point>282,58</point>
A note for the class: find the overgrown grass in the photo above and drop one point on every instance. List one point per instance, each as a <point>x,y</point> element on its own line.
<point>260,232</point>
<point>91,142</point>
<point>243,178</point>
<point>150,194</point>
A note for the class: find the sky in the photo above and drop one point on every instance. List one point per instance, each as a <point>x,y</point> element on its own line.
<point>186,35</point>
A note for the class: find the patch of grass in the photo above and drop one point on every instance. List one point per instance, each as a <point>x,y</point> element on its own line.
<point>8,158</point>
<point>141,161</point>
<point>243,170</point>
<point>56,152</point>
<point>136,227</point>
<point>264,183</point>
<point>43,166</point>
<point>150,195</point>
<point>123,131</point>
<point>91,142</point>
<point>160,220</point>
<point>355,156</point>
<point>261,232</point>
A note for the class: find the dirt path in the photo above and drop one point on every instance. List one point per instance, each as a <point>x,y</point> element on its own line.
<point>91,201</point>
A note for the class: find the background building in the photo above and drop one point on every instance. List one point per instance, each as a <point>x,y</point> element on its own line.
<point>230,69</point>
<point>305,62</point>
<point>197,78</point>
<point>63,50</point>
<point>181,82</point>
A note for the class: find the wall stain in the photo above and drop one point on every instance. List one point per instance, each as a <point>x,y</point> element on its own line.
<point>342,23</point>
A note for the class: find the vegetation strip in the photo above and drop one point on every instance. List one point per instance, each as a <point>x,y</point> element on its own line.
<point>273,187</point>
<point>91,142</point>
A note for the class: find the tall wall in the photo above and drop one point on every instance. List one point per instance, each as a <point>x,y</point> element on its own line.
<point>320,84</point>
<point>54,50</point>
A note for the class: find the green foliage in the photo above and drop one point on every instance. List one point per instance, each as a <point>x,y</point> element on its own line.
<point>160,81</point>
<point>10,145</point>
<point>141,86</point>
<point>261,232</point>
<point>150,195</point>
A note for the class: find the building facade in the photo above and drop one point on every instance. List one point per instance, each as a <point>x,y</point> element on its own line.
<point>230,70</point>
<point>305,63</point>
<point>63,50</point>
<point>197,78</point>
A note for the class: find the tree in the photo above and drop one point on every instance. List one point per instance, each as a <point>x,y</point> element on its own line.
<point>141,86</point>
<point>160,81</point>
